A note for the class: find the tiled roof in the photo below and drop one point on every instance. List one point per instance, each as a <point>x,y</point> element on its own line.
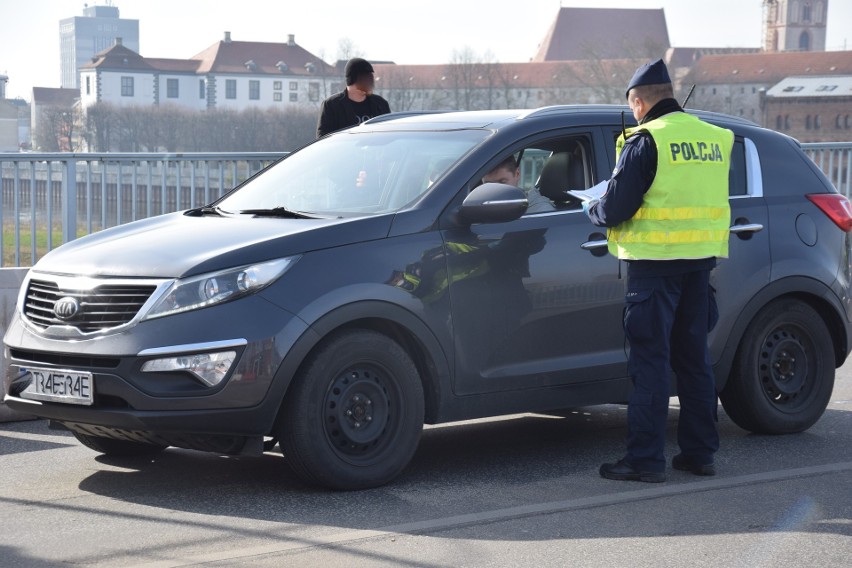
<point>245,57</point>
<point>769,68</point>
<point>604,33</point>
<point>51,96</point>
<point>498,75</point>
<point>118,57</point>
<point>687,56</point>
<point>234,56</point>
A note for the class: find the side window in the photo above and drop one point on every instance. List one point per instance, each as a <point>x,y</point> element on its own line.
<point>545,170</point>
<point>551,167</point>
<point>737,184</point>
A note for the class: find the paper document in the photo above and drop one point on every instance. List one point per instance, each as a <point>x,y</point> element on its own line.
<point>594,192</point>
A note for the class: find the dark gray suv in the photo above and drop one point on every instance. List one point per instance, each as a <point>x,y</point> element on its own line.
<point>369,283</point>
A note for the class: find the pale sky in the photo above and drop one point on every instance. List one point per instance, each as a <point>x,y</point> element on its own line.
<point>403,31</point>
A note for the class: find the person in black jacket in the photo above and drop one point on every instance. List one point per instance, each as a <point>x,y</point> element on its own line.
<point>356,103</point>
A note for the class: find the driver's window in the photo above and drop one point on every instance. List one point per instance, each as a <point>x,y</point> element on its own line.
<point>550,167</point>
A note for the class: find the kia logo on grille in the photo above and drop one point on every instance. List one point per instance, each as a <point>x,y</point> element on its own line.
<point>66,308</point>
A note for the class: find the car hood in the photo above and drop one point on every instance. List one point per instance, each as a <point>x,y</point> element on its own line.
<point>176,245</point>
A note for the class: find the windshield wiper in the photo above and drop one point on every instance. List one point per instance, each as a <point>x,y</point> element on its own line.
<point>278,212</point>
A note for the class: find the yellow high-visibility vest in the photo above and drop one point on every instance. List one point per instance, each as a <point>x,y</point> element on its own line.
<point>685,213</point>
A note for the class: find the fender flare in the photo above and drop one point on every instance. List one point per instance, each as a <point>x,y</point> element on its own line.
<point>817,294</point>
<point>436,382</point>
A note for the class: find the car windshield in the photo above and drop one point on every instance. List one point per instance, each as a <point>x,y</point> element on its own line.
<point>355,173</point>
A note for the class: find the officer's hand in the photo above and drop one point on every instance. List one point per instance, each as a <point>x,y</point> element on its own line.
<point>587,204</point>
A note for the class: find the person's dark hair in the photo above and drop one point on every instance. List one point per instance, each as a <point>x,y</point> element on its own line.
<point>509,163</point>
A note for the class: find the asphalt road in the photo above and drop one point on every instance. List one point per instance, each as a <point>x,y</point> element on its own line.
<point>517,491</point>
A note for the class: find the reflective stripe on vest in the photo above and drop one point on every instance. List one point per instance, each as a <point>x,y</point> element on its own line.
<point>685,213</point>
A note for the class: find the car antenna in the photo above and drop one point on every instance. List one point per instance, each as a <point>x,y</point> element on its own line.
<point>623,127</point>
<point>689,94</point>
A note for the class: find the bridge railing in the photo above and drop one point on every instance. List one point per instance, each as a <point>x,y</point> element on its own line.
<point>835,160</point>
<point>49,199</point>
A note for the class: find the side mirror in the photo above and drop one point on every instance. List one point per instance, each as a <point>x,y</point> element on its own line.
<point>493,203</point>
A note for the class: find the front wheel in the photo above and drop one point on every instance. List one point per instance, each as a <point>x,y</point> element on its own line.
<point>783,374</point>
<point>353,416</point>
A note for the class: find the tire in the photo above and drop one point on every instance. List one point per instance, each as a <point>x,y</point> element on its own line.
<point>783,372</point>
<point>118,448</point>
<point>353,417</point>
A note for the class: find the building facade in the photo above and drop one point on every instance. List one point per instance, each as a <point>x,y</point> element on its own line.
<point>811,109</point>
<point>81,37</point>
<point>234,75</point>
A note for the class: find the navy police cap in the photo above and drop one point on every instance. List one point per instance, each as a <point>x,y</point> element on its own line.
<point>649,74</point>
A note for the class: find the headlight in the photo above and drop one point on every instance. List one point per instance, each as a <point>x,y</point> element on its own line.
<point>216,287</point>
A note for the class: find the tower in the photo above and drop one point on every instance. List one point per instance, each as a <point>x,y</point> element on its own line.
<point>794,25</point>
<point>83,36</point>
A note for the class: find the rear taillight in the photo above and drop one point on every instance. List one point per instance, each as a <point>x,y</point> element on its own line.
<point>836,206</point>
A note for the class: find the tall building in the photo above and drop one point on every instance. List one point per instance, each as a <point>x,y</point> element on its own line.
<point>794,25</point>
<point>81,37</point>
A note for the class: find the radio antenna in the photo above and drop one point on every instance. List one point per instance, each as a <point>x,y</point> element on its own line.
<point>689,94</point>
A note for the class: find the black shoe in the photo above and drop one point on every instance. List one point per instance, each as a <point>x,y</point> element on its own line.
<point>683,463</point>
<point>623,471</point>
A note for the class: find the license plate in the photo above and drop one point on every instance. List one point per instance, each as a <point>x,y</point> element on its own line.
<point>56,385</point>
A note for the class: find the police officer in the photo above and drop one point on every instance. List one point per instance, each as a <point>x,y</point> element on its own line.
<point>667,213</point>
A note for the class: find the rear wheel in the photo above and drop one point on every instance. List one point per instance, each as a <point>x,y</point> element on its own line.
<point>353,417</point>
<point>118,448</point>
<point>783,373</point>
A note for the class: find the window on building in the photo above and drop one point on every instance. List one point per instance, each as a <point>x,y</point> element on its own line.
<point>294,86</point>
<point>88,85</point>
<point>202,92</point>
<point>806,12</point>
<point>846,122</point>
<point>820,12</point>
<point>805,42</point>
<point>779,122</point>
<point>276,97</point>
<point>786,122</point>
<point>313,91</point>
<point>276,86</point>
<point>838,122</point>
<point>171,88</point>
<point>127,86</point>
<point>294,97</point>
<point>714,90</point>
<point>817,122</point>
<point>808,122</point>
<point>742,90</point>
<point>230,88</point>
<point>254,90</point>
<point>826,88</point>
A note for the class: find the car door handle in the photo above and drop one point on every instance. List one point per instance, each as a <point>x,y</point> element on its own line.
<point>593,245</point>
<point>746,228</point>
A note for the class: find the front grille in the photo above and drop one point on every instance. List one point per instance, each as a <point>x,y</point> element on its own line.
<point>101,308</point>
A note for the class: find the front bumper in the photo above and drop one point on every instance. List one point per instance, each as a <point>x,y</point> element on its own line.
<point>172,407</point>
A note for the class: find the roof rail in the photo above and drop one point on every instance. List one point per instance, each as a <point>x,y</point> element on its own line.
<point>403,114</point>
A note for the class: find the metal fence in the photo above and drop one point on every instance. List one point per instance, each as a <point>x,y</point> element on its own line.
<point>49,199</point>
<point>835,160</point>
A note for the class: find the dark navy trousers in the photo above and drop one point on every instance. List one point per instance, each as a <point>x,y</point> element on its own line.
<point>666,321</point>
